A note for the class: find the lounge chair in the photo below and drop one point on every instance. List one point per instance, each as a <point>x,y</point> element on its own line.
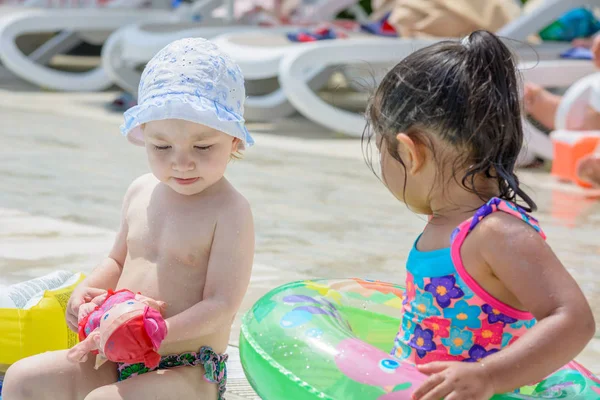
<point>132,46</point>
<point>297,70</point>
<point>92,24</point>
<point>260,53</point>
<point>574,75</point>
<point>575,100</point>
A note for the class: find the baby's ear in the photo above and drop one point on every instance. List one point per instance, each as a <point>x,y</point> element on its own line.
<point>235,145</point>
<point>235,150</point>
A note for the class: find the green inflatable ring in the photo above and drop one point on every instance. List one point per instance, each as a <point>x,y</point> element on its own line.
<point>330,339</point>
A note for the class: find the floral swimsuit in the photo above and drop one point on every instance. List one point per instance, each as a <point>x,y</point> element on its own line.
<point>447,316</point>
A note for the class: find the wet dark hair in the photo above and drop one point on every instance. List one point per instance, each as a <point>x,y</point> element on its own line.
<point>466,93</point>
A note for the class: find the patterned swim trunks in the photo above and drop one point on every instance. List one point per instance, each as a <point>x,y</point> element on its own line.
<point>214,364</point>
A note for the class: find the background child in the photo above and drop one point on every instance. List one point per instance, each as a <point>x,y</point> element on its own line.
<point>543,105</point>
<point>186,237</point>
<point>447,121</point>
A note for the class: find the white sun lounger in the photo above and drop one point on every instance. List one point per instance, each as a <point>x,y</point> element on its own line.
<point>572,108</point>
<point>60,43</point>
<point>571,74</point>
<point>93,24</point>
<point>298,69</point>
<point>259,54</point>
<point>132,46</point>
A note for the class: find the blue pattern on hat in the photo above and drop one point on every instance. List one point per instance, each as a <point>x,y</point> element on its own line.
<point>190,79</point>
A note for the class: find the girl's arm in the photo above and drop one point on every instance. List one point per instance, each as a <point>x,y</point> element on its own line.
<point>522,261</point>
<point>528,267</point>
<point>229,268</point>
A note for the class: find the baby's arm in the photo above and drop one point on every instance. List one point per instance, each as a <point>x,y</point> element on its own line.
<point>229,268</point>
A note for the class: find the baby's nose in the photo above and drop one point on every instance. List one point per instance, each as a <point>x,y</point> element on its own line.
<point>183,163</point>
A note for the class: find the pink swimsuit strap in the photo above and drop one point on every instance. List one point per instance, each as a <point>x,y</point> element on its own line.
<point>461,233</point>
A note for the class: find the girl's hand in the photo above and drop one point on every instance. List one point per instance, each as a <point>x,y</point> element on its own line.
<point>78,297</point>
<point>454,381</point>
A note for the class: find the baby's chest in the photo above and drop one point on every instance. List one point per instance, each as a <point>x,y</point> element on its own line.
<point>183,239</point>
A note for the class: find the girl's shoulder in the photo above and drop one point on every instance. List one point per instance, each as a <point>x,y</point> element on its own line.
<point>503,226</point>
<point>500,218</point>
<point>499,225</point>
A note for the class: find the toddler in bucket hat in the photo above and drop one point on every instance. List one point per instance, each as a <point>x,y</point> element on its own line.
<point>185,238</point>
<point>192,80</point>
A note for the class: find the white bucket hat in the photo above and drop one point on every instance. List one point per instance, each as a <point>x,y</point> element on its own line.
<point>190,79</point>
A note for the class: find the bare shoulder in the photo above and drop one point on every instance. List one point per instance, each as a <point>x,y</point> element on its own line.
<point>503,233</point>
<point>140,184</point>
<point>234,206</point>
<point>501,224</point>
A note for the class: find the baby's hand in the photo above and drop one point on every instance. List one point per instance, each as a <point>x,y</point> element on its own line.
<point>87,308</point>
<point>79,297</point>
<point>84,310</point>
<point>454,381</point>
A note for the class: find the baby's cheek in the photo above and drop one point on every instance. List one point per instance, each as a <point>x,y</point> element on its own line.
<point>206,162</point>
<point>158,157</point>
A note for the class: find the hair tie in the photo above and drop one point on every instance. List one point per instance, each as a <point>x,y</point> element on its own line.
<point>466,42</point>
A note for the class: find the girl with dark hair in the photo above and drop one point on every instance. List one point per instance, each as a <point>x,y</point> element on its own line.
<point>486,298</point>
